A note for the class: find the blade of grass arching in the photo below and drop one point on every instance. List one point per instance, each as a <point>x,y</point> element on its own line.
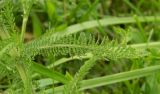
<point>105,22</point>
<point>119,77</point>
<point>111,79</point>
<point>48,73</point>
<point>63,60</point>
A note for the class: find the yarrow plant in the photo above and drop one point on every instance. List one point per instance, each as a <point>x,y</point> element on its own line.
<point>18,63</point>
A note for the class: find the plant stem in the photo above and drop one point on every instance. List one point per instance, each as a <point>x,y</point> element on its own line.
<point>25,78</point>
<point>24,24</point>
<point>23,71</point>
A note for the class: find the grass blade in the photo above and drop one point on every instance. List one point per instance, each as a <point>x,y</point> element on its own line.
<point>119,77</point>
<point>111,79</point>
<point>107,21</point>
<point>51,74</point>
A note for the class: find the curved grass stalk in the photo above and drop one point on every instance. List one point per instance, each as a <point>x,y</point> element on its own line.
<point>119,77</point>
<point>105,22</point>
<point>63,60</point>
<point>111,79</point>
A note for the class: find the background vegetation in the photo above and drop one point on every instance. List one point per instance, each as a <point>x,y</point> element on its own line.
<point>79,46</point>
